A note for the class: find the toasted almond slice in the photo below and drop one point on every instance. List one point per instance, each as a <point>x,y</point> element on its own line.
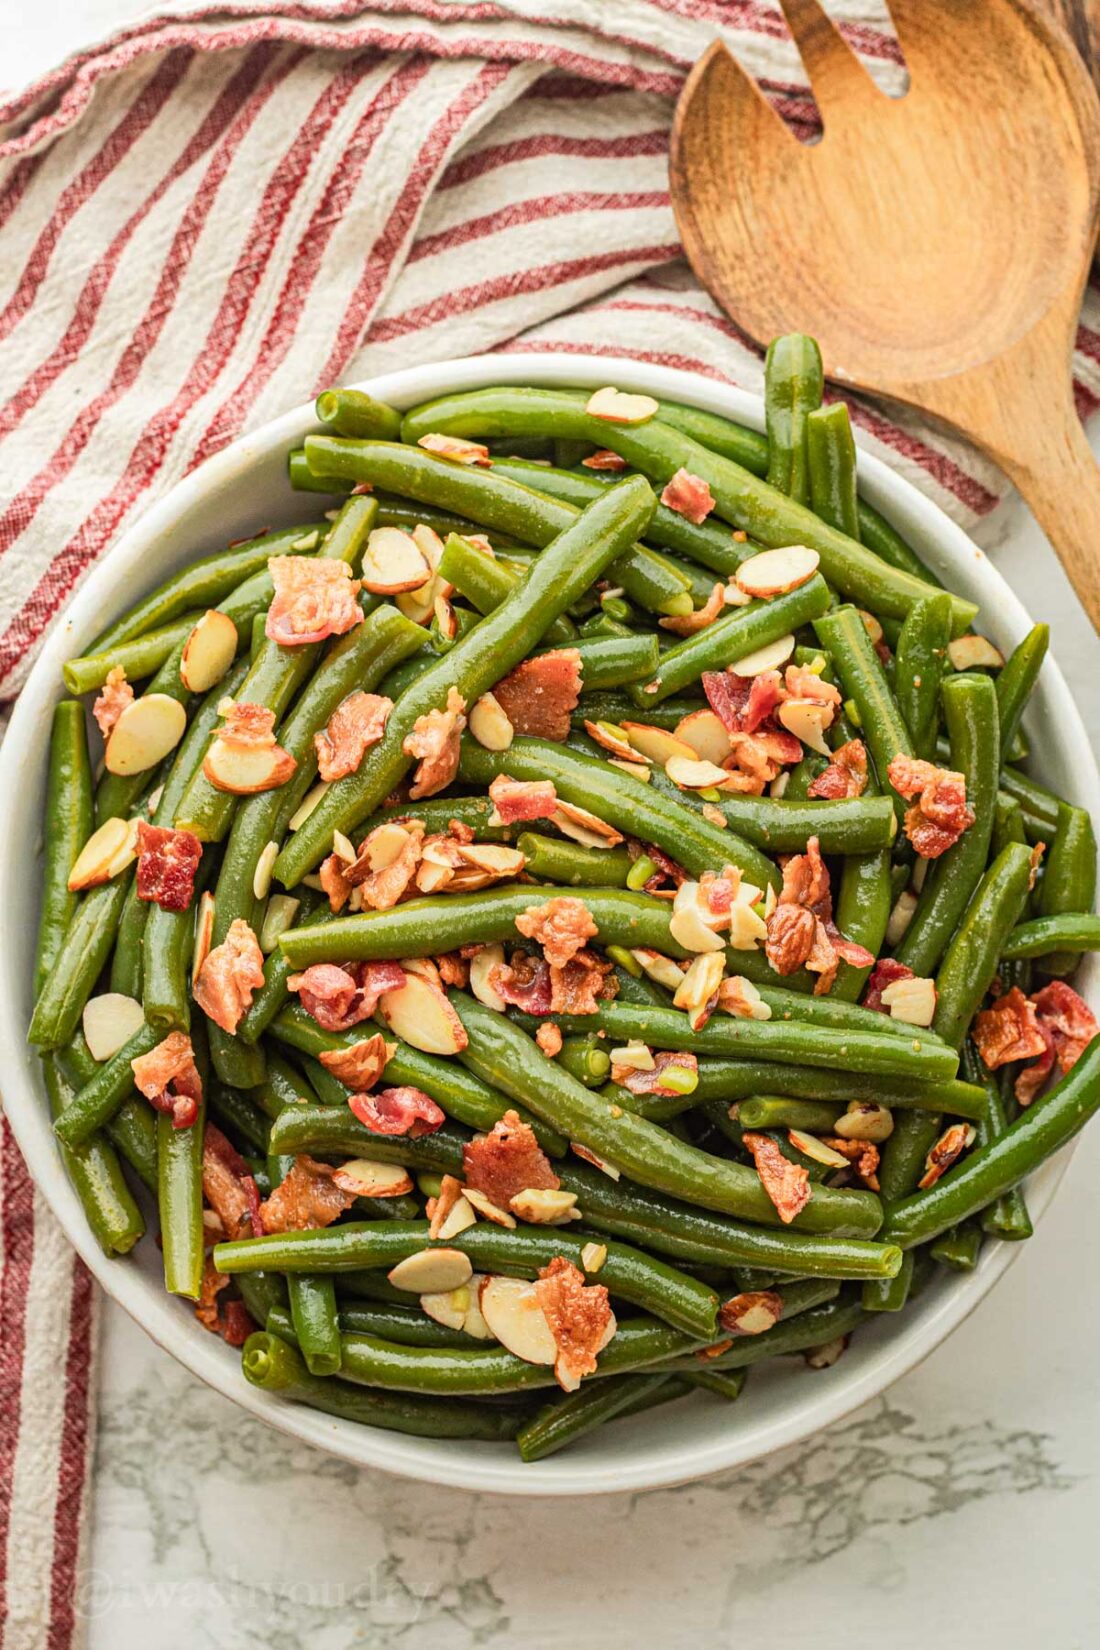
<point>611,737</point>
<point>694,774</point>
<point>593,1256</point>
<point>106,852</point>
<point>482,964</point>
<point>279,916</point>
<point>494,857</point>
<point>660,969</point>
<point>778,786</point>
<point>600,1163</point>
<point>545,1208</point>
<point>635,1054</point>
<point>769,657</point>
<point>109,1021</point>
<point>385,844</point>
<point>742,999</point>
<point>460,1216</point>
<point>751,1313</point>
<point>146,731</point>
<point>479,1202</point>
<point>367,1178</point>
<point>699,985</point>
<point>445,620</point>
<point>584,827</point>
<point>393,562</point>
<point>773,572</point>
<point>432,1271</point>
<point>807,719</point>
<point>911,1000</point>
<point>420,1014</point>
<point>306,806</point>
<point>810,1146</point>
<point>619,407</point>
<point>430,545</point>
<point>417,605</point>
<point>456,448</point>
<point>512,1312</point>
<point>641,771</point>
<point>900,917</point>
<point>657,744</point>
<point>343,848</point>
<point>686,924</point>
<point>865,1120</point>
<point>261,877</point>
<point>827,1354</point>
<point>973,653</point>
<point>489,725</point>
<point>733,596</point>
<point>204,933</point>
<point>747,929</point>
<point>208,652</point>
<point>706,734</point>
<point>459,1309</point>
<point>243,770</point>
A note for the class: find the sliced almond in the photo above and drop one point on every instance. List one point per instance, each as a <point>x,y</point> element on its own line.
<point>493,857</point>
<point>600,1163</point>
<point>657,744</point>
<point>489,724</point>
<point>974,653</point>
<point>432,1271</point>
<point>107,851</point>
<point>865,1120</point>
<point>617,407</point>
<point>733,596</point>
<point>459,1309</point>
<point>265,864</point>
<point>807,719</point>
<point>459,1217</point>
<point>307,805</point>
<point>810,1146</point>
<point>584,827</point>
<point>641,771</point>
<point>445,620</point>
<point>146,731</point>
<point>687,925</point>
<point>512,1312</point>
<point>772,572</point>
<point>900,917</point>
<point>752,1313</point>
<point>420,1014</point>
<point>742,999</point>
<point>748,929</point>
<point>279,916</point>
<point>393,562</point>
<point>110,1021</point>
<point>545,1208</point>
<point>593,1256</point>
<point>612,738</point>
<point>770,657</point>
<point>344,848</point>
<point>208,652</point>
<point>638,1056</point>
<point>385,844</point>
<point>367,1178</point>
<point>245,770</point>
<point>706,734</point>
<point>482,964</point>
<point>419,605</point>
<point>489,1211</point>
<point>456,448</point>
<point>694,774</point>
<point>430,545</point>
<point>699,985</point>
<point>204,933</point>
<point>662,970</point>
<point>778,786</point>
<point>826,1355</point>
<point>913,1001</point>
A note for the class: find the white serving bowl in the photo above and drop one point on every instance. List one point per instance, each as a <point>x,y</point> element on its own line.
<point>240,491</point>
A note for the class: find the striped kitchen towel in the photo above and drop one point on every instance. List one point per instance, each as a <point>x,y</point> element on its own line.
<point>220,210</point>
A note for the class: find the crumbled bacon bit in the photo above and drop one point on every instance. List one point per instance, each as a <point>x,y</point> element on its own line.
<point>314,599</point>
<point>229,977</point>
<point>580,1319</point>
<point>305,1200</point>
<point>114,696</point>
<point>561,927</point>
<point>799,682</point>
<point>540,695</point>
<point>690,496</point>
<point>169,1078</point>
<point>940,815</point>
<point>361,1065</point>
<point>885,972</point>
<point>334,882</point>
<point>167,862</point>
<point>339,998</point>
<point>507,1160</point>
<point>1008,1031</point>
<point>846,774</point>
<point>581,984</point>
<point>787,1184</point>
<point>354,726</point>
<point>405,1111</point>
<point>653,1082</point>
<point>228,1186</point>
<point>517,800</point>
<point>453,969</point>
<point>801,928</point>
<point>604,459</point>
<point>667,869</point>
<point>689,624</point>
<point>862,1154</point>
<point>549,1039</point>
<point>1067,1026</point>
<point>233,1324</point>
<point>743,704</point>
<point>456,448</point>
<point>435,743</point>
<point>524,981</point>
<point>947,1150</point>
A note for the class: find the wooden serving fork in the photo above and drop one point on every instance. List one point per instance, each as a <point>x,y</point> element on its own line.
<point>937,244</point>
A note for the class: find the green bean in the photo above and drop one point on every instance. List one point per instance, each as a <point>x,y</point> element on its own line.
<point>274,1366</point>
<point>179,1195</point>
<point>486,582</point>
<point>549,859</point>
<point>96,1176</point>
<point>70,818</point>
<point>921,661</point>
<point>798,1334</point>
<point>97,1101</point>
<point>578,1413</point>
<point>863,680</point>
<point>889,1294</point>
<point>1069,878</point>
<point>407,1325</point>
<point>863,907</point>
<point>847,825</point>
<point>1007,1217</point>
<point>794,382</point>
<point>736,1079</point>
<point>87,945</point>
<point>1071,933</point>
<point>234,1111</point>
<point>831,467</point>
<point>959,1247</point>
<point>133,1128</point>
<point>1008,825</point>
<point>777,1111</point>
<point>1016,680</point>
<point>167,950</point>
<point>355,413</point>
<point>316,1326</point>
<point>137,659</point>
<point>585,1059</point>
<point>970,705</point>
<point>561,573</point>
<point>903,1156</point>
<point>970,960</point>
<point>262,1293</point>
<point>273,994</point>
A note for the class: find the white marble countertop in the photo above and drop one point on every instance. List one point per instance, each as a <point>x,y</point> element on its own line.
<point>959,1509</point>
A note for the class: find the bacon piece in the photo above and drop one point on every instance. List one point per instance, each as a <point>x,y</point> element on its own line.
<point>787,1184</point>
<point>846,774</point>
<point>354,726</point>
<point>1008,1031</point>
<point>314,599</point>
<point>759,756</point>
<point>862,1154</point>
<point>653,1082</point>
<point>689,496</point>
<point>1067,1026</point>
<point>940,815</point>
<point>305,1200</point>
<point>228,1186</point>
<point>229,977</point>
<point>689,624</point>
<point>167,862</point>
<point>333,879</point>
<point>381,889</point>
<point>169,1078</point>
<point>233,1324</point>
<point>580,1319</point>
<point>801,928</point>
<point>453,970</point>
<point>743,704</point>
<point>507,1160</point>
<point>248,725</point>
<point>604,459</point>
<point>540,695</point>
<point>549,1039</point>
<point>582,984</point>
<point>435,742</point>
<point>885,972</point>
<point>799,682</point>
<point>524,982</point>
<point>360,1066</point>
<point>947,1151</point>
<point>667,869</point>
<point>561,927</point>
<point>115,694</point>
<point>339,998</point>
<point>517,800</point>
<point>456,448</point>
<point>404,1111</point>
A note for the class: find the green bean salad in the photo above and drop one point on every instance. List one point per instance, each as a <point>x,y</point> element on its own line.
<point>567,925</point>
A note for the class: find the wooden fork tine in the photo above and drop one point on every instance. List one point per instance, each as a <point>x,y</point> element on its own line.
<point>835,73</point>
<point>718,85</point>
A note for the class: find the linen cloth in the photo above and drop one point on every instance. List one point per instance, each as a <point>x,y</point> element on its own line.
<point>219,211</point>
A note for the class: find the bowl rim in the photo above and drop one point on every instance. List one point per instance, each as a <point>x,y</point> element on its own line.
<point>882,1358</point>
